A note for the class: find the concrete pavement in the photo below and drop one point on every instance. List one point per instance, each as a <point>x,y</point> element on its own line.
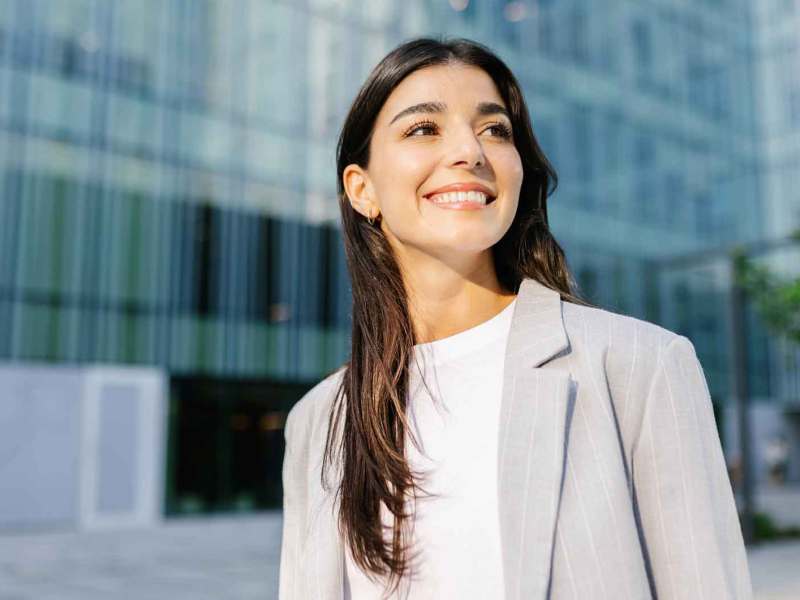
<point>184,559</point>
<point>775,570</point>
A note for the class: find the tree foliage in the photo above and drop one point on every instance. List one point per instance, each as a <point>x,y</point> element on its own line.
<point>777,299</point>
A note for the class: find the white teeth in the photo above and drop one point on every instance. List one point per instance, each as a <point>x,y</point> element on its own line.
<point>451,197</point>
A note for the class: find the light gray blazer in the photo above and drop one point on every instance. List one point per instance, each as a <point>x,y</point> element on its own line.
<point>612,482</point>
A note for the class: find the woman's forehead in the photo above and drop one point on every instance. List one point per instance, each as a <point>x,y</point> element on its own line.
<point>442,87</point>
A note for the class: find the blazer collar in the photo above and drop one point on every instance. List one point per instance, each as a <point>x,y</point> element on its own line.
<point>536,408</point>
<point>537,327</point>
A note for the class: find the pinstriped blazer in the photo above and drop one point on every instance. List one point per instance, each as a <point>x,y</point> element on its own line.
<point>611,478</point>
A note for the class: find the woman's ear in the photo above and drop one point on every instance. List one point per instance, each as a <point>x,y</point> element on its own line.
<point>359,191</point>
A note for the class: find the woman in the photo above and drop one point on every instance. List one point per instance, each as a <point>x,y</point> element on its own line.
<point>492,435</point>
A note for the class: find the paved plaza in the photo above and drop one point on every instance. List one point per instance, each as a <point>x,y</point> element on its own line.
<point>226,558</point>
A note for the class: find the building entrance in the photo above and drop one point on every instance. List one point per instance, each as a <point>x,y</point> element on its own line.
<point>226,444</point>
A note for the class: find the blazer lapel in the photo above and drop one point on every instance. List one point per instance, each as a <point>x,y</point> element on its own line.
<point>534,413</point>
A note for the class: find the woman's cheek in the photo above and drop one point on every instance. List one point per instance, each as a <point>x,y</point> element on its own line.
<point>514,165</point>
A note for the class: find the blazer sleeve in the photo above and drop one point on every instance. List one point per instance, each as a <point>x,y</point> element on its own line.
<point>293,513</point>
<point>684,501</point>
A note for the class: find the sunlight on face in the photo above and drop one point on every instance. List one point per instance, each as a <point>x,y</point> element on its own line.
<point>420,152</point>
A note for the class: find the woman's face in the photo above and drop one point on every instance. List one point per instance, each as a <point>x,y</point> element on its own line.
<point>463,137</point>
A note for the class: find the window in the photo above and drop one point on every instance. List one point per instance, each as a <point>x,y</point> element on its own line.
<point>613,139</point>
<point>226,444</point>
<point>578,36</point>
<point>644,151</point>
<point>794,107</point>
<point>703,216</point>
<point>643,50</point>
<point>682,298</point>
<point>204,248</point>
<point>546,31</point>
<point>583,147</point>
<point>506,28</point>
<point>673,197</point>
<point>587,279</point>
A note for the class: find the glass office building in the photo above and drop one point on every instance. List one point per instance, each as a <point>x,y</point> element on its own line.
<point>168,187</point>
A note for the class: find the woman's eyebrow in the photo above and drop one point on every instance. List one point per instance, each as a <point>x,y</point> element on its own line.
<point>484,108</point>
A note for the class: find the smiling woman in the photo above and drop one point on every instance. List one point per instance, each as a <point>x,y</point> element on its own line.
<point>564,451</point>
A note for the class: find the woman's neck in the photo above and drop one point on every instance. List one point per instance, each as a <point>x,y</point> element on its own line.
<point>444,302</point>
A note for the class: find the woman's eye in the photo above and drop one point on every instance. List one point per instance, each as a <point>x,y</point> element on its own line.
<point>420,126</point>
<point>502,130</point>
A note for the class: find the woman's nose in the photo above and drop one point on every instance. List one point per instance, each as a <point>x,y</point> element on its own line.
<point>467,149</point>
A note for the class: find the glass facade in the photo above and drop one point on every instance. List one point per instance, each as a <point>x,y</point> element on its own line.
<point>168,180</point>
<point>777,92</point>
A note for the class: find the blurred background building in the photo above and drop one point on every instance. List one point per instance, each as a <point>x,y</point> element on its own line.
<point>172,277</point>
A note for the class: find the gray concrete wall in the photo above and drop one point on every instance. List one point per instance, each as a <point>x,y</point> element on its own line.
<point>40,427</point>
<point>81,447</point>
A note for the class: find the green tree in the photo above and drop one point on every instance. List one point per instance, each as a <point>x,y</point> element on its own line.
<point>777,299</point>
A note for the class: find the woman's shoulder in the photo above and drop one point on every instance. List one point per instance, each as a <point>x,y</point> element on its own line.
<point>629,357</point>
<point>605,329</point>
<point>312,407</point>
<point>629,348</point>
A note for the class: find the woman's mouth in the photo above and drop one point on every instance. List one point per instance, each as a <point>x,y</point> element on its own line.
<point>471,200</point>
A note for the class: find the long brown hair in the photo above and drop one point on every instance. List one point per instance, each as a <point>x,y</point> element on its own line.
<point>375,379</point>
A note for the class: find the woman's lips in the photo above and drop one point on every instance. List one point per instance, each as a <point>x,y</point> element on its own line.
<point>465,204</point>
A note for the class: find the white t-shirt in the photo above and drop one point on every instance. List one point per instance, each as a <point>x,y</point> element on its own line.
<point>457,533</point>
